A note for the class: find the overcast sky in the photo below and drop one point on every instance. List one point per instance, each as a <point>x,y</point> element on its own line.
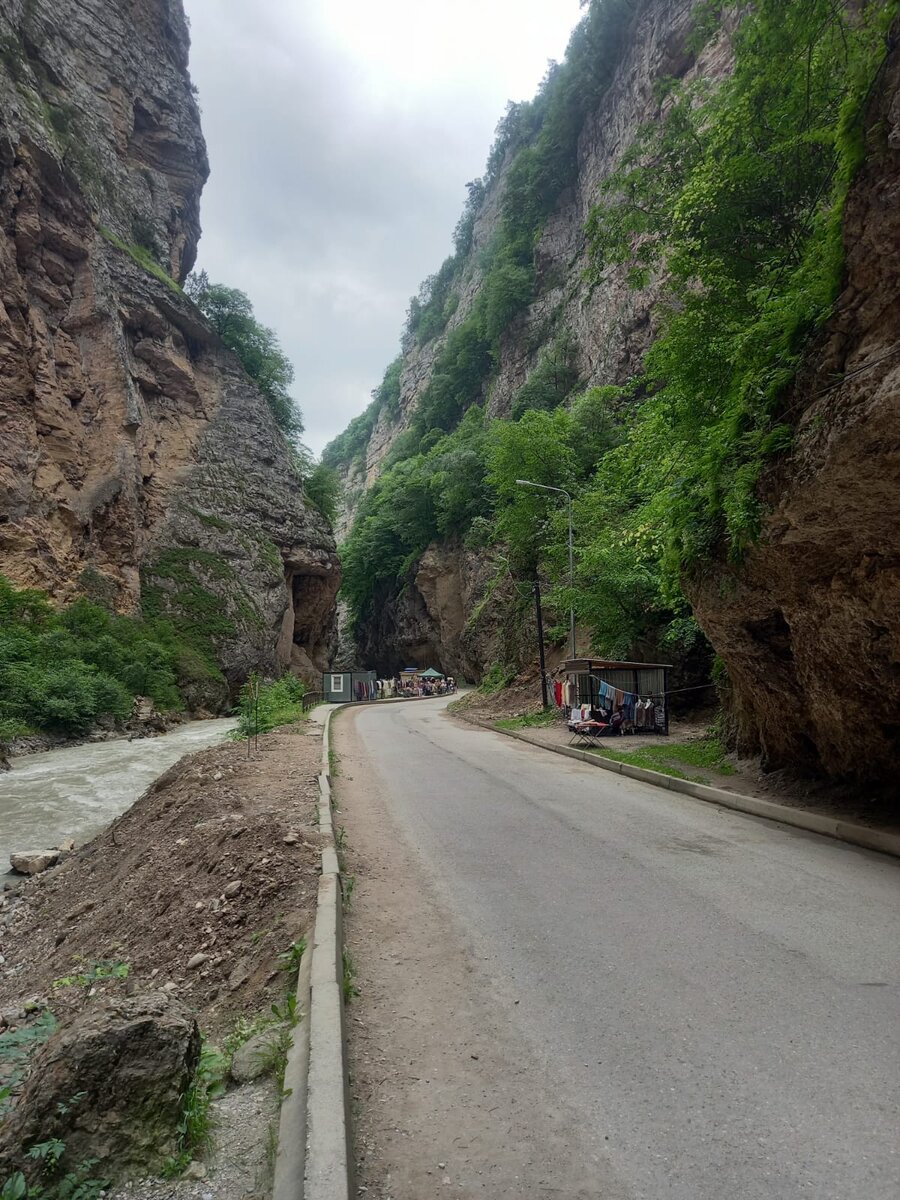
<point>341,135</point>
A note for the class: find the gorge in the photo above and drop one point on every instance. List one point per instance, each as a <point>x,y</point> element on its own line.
<point>139,464</point>
<point>674,293</point>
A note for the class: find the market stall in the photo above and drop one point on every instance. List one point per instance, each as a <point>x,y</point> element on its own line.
<point>613,697</point>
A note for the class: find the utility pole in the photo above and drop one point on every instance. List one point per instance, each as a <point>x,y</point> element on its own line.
<point>540,633</point>
<point>544,487</point>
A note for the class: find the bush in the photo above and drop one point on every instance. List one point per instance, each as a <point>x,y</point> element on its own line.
<point>64,670</point>
<point>265,706</point>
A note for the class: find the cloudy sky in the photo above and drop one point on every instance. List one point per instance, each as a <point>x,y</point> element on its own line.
<point>341,135</point>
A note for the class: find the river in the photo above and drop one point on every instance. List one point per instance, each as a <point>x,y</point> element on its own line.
<point>75,791</point>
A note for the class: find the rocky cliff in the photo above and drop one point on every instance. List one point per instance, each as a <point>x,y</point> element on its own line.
<point>809,625</point>
<point>807,622</point>
<point>607,329</point>
<point>137,459</point>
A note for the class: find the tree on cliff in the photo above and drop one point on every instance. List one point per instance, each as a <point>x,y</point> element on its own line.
<point>230,313</point>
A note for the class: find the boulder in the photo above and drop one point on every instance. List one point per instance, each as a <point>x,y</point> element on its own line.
<point>129,1063</point>
<point>31,862</point>
<point>255,1057</point>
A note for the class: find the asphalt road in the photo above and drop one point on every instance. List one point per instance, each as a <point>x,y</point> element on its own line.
<point>715,996</point>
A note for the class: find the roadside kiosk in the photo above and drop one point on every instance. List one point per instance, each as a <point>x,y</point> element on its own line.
<point>339,687</point>
<point>603,684</point>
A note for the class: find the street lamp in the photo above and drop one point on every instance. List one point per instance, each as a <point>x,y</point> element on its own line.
<point>543,487</point>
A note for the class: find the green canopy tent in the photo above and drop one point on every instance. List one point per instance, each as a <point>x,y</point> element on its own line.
<point>431,673</point>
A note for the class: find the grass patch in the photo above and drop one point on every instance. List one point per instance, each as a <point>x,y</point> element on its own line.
<point>142,256</point>
<point>195,1130</point>
<point>707,754</point>
<point>529,720</point>
<point>496,678</point>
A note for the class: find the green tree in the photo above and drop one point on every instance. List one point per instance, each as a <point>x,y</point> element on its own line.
<point>230,313</point>
<point>323,488</point>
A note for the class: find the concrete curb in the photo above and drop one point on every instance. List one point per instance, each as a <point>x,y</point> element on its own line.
<point>813,822</point>
<point>314,1160</point>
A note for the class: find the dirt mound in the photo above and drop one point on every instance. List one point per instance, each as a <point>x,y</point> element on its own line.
<point>520,698</point>
<point>197,889</point>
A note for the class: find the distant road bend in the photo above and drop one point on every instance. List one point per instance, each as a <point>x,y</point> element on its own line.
<point>709,998</point>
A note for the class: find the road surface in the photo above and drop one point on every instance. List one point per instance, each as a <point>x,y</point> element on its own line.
<point>576,985</point>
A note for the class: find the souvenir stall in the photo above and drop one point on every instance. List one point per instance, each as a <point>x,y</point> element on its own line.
<point>605,697</point>
<point>340,687</point>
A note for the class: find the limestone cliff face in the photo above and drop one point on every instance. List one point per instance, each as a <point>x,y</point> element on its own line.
<point>612,326</point>
<point>610,329</point>
<point>809,625</point>
<point>136,456</point>
<point>446,618</point>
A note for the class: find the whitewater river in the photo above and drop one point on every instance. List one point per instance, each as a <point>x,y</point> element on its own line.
<point>74,792</point>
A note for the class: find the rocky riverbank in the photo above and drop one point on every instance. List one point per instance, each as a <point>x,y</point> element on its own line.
<point>184,915</point>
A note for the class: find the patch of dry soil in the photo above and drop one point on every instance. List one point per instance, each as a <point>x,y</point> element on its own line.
<point>198,887</point>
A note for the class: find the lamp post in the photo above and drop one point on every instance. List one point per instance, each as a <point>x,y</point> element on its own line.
<point>543,487</point>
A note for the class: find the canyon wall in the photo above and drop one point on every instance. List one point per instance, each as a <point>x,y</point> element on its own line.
<point>137,460</point>
<point>610,328</point>
<point>807,625</point>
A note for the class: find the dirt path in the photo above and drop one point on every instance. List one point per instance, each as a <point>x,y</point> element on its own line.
<point>448,1101</point>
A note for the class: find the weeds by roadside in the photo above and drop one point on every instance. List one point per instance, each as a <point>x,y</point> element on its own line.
<point>348,987</point>
<point>58,1181</point>
<point>195,1130</point>
<point>540,720</point>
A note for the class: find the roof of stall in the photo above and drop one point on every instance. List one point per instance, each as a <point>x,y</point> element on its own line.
<point>431,673</point>
<point>584,666</point>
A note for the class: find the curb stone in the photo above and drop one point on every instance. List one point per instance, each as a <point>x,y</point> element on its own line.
<point>314,1157</point>
<point>812,822</point>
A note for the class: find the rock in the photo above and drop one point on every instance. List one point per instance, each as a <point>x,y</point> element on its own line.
<point>94,339</point>
<point>255,1057</point>
<point>31,862</point>
<point>197,960</point>
<point>129,1062</point>
<point>232,889</point>
<point>67,846</point>
<point>195,1170</point>
<point>290,839</point>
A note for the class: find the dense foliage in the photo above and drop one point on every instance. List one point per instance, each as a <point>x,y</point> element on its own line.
<point>737,196</point>
<point>230,313</point>
<point>732,201</point>
<point>64,670</point>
